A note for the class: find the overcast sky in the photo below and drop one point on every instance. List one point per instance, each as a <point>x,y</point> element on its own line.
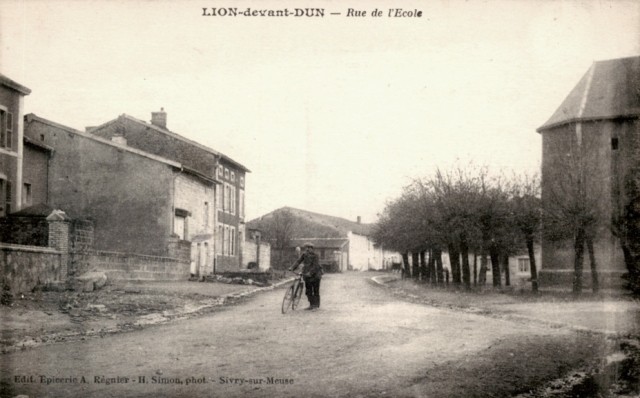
<point>334,114</point>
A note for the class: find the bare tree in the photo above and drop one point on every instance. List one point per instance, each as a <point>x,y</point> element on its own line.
<point>278,229</point>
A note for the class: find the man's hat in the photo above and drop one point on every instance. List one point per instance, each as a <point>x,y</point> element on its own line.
<point>308,244</point>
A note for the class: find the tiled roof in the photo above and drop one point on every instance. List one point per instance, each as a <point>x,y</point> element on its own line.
<point>610,89</point>
<point>178,137</point>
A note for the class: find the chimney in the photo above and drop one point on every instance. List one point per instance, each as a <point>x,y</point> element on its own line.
<point>159,118</point>
<point>88,129</point>
<point>359,219</point>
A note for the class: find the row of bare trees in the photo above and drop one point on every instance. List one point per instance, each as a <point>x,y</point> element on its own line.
<point>468,213</point>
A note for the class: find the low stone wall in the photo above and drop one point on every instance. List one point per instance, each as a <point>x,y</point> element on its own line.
<point>25,267</point>
<point>250,251</point>
<point>127,266</point>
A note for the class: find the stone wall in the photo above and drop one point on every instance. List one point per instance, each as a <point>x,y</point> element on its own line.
<point>25,267</point>
<point>128,266</point>
<point>249,254</point>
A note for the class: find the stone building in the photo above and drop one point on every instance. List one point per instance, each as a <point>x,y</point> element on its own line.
<point>592,134</point>
<point>139,202</point>
<point>222,235</point>
<point>340,243</point>
<point>12,185</point>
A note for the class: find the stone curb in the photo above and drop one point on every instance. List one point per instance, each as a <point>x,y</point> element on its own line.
<point>143,320</point>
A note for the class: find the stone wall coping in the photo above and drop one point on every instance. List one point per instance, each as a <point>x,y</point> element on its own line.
<point>36,249</point>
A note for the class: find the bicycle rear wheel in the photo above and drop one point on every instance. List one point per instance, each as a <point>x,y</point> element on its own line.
<point>297,295</point>
<point>287,301</point>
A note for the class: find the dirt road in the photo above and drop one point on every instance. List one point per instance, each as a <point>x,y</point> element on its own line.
<point>362,342</point>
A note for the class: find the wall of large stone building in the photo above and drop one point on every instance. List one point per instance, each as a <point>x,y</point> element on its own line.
<point>9,157</point>
<point>606,169</point>
<point>36,173</point>
<point>361,252</point>
<point>128,196</point>
<point>196,197</point>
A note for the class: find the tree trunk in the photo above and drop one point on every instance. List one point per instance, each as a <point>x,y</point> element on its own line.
<point>415,263</point>
<point>406,273</point>
<point>475,269</point>
<point>532,264</point>
<point>454,260</point>
<point>437,253</point>
<point>482,278</point>
<point>464,249</point>
<point>578,248</point>
<point>507,271</point>
<point>432,267</point>
<point>495,265</point>
<point>595,283</point>
<point>423,266</point>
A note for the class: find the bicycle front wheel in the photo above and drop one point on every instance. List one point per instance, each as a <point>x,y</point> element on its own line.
<point>287,301</point>
<point>297,295</point>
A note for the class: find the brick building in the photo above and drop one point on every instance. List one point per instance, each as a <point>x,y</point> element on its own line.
<point>221,236</point>
<point>596,131</point>
<point>12,185</point>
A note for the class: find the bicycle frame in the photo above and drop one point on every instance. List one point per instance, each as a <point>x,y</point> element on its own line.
<point>293,294</point>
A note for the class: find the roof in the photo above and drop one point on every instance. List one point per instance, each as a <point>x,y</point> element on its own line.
<point>325,222</point>
<point>327,243</point>
<point>37,210</point>
<point>176,136</point>
<point>609,90</point>
<point>341,224</point>
<point>32,117</point>
<point>5,81</point>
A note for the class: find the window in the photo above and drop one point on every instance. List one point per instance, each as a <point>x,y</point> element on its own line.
<point>181,224</point>
<point>226,173</point>
<point>614,143</point>
<point>9,130</point>
<point>7,190</point>
<point>220,171</point>
<point>2,208</point>
<point>242,182</point>
<point>26,194</point>
<point>233,176</point>
<point>523,265</point>
<point>225,245</point>
<point>220,248</point>
<point>227,197</point>
<point>219,192</point>
<point>232,241</point>
<point>232,206</point>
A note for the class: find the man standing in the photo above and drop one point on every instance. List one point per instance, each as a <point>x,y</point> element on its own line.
<point>312,273</point>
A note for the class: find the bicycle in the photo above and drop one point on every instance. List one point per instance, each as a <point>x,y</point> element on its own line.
<point>293,294</point>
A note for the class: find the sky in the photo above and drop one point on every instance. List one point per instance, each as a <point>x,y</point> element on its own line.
<point>335,114</point>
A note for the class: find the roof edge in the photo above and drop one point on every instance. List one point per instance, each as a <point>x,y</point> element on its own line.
<point>30,116</point>
<point>12,84</point>
<point>185,139</point>
<point>588,119</point>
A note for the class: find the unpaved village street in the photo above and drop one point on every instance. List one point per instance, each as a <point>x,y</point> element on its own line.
<point>362,342</point>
